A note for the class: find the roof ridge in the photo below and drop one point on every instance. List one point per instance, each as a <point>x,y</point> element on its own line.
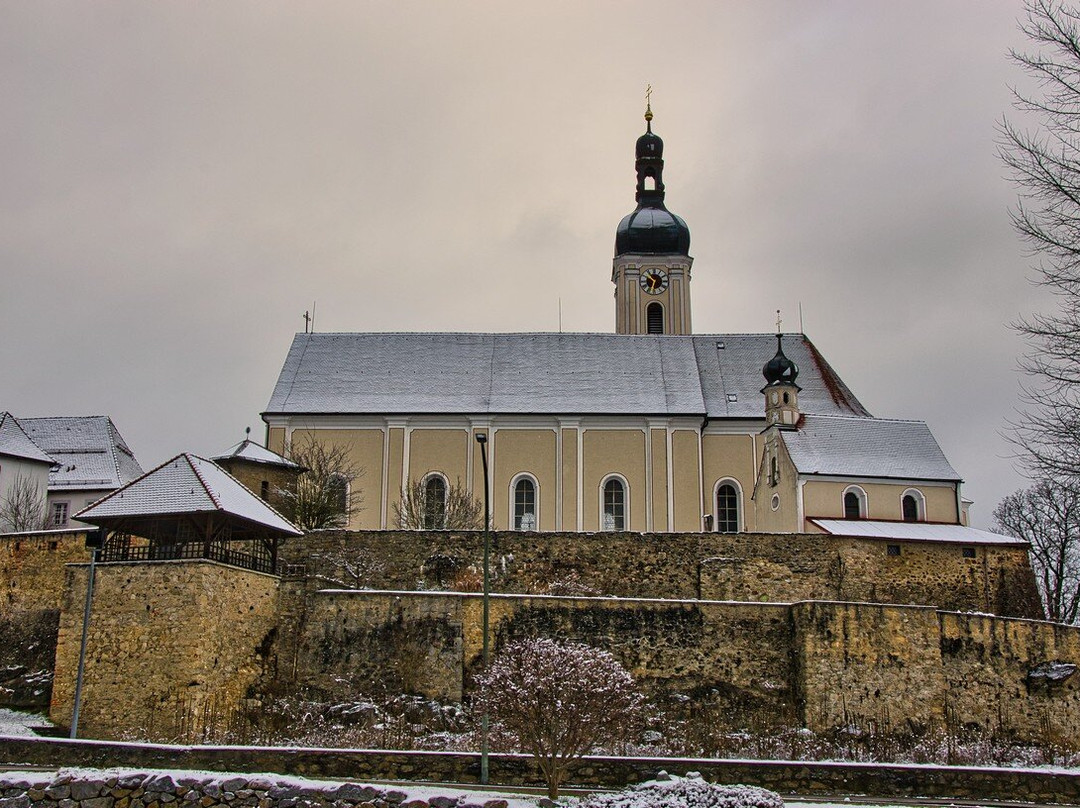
<point>206,486</point>
<point>848,417</point>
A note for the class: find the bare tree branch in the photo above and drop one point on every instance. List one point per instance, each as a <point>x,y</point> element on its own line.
<point>326,494</point>
<point>1047,515</point>
<point>23,506</point>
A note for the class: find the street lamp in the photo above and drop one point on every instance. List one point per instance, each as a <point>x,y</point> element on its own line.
<point>481,438</point>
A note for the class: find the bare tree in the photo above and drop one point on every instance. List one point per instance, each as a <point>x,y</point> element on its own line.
<point>1045,165</point>
<point>431,504</point>
<point>326,494</point>
<point>23,506</point>
<point>560,700</point>
<point>1047,515</point>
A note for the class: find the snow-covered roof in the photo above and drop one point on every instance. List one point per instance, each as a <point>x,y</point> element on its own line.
<point>89,451</point>
<point>717,375</point>
<point>16,443</point>
<point>251,451</point>
<point>912,531</point>
<point>186,484</point>
<point>866,447</point>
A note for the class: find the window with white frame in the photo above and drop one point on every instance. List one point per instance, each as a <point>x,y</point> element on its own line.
<point>614,505</point>
<point>727,507</point>
<point>434,502</point>
<point>854,503</point>
<point>913,505</point>
<point>525,504</point>
<point>59,514</point>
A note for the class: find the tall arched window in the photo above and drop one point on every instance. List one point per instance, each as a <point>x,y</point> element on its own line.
<point>525,504</point>
<point>434,502</point>
<point>654,318</point>
<point>614,511</point>
<point>913,506</point>
<point>727,508</point>
<point>854,503</point>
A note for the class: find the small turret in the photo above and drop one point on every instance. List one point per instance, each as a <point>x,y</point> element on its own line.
<point>781,392</point>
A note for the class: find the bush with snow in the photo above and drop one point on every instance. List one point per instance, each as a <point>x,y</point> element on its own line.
<point>686,792</point>
<point>560,700</point>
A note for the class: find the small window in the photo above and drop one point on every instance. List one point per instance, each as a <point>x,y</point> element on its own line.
<point>893,549</point>
<point>53,545</point>
<point>525,505</point>
<point>969,552</point>
<point>654,318</point>
<point>264,490</point>
<point>727,509</point>
<point>434,503</point>
<point>851,506</point>
<point>59,514</point>
<point>614,505</point>
<point>854,503</point>
<point>774,472</point>
<point>913,506</point>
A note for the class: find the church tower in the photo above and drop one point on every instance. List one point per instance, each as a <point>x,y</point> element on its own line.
<point>651,271</point>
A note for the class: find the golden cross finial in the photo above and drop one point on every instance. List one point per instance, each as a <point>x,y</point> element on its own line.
<point>778,321</point>
<point>648,102</point>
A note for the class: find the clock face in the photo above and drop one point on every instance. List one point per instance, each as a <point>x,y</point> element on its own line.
<point>654,281</point>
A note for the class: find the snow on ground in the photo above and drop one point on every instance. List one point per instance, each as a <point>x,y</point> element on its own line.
<point>19,725</point>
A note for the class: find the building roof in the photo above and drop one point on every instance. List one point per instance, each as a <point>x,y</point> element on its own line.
<point>16,443</point>
<point>89,451</point>
<point>254,453</point>
<point>912,531</point>
<point>866,447</point>
<point>718,376</point>
<point>186,484</point>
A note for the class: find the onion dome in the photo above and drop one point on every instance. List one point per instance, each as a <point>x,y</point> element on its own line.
<point>651,228</point>
<point>780,369</point>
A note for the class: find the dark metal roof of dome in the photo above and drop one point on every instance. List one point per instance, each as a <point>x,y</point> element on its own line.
<point>780,369</point>
<point>652,229</point>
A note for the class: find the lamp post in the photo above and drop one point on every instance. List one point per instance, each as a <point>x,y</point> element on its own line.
<point>95,540</point>
<point>481,438</point>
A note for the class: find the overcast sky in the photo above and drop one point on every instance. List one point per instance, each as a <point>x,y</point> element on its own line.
<point>180,181</point>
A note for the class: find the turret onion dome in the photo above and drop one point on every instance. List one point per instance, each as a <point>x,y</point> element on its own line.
<point>780,369</point>
<point>651,228</point>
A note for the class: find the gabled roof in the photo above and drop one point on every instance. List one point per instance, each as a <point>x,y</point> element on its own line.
<point>89,451</point>
<point>912,531</point>
<point>16,443</point>
<point>866,447</point>
<point>717,375</point>
<point>186,484</point>
<point>253,452</point>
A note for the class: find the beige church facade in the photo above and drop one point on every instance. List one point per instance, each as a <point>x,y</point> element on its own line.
<point>650,429</point>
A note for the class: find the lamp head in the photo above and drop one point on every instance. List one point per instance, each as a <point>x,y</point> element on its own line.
<point>481,438</point>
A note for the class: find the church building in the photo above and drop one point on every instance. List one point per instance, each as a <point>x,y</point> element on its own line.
<point>650,429</point>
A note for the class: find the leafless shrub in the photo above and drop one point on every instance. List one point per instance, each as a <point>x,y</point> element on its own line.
<point>326,494</point>
<point>560,700</point>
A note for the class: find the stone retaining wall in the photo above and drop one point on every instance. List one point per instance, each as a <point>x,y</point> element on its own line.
<point>31,590</point>
<point>835,779</point>
<point>751,567</point>
<point>174,647</point>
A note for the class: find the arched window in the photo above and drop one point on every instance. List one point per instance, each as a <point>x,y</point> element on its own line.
<point>913,505</point>
<point>264,490</point>
<point>525,504</point>
<point>654,318</point>
<point>434,502</point>
<point>614,505</point>
<point>727,508</point>
<point>854,503</point>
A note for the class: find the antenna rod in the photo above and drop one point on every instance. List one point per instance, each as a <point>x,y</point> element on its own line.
<point>312,316</point>
<point>801,329</point>
<point>560,315</point>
